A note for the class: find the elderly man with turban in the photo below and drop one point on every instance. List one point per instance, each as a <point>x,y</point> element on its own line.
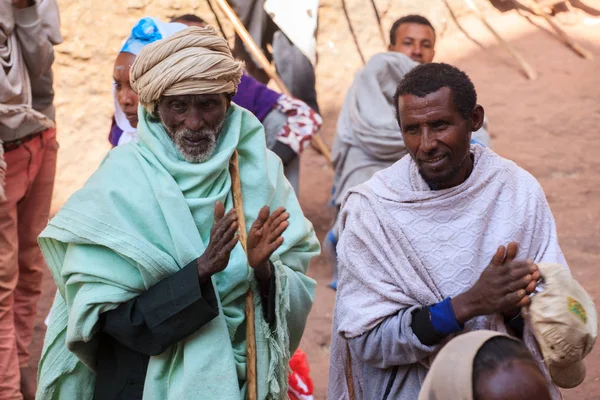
<point>151,277</point>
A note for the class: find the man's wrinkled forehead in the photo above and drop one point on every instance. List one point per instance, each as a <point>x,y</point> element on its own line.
<point>192,98</point>
<point>437,105</point>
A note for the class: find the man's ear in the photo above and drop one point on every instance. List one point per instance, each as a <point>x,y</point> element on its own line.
<point>477,118</point>
<point>228,98</point>
<point>155,115</point>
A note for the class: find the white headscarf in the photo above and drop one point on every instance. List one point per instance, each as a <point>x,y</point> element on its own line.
<point>146,31</point>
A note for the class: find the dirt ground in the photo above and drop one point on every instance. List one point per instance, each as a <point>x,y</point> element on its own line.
<point>548,126</point>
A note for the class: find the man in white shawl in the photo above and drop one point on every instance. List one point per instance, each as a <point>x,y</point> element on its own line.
<point>368,137</point>
<point>442,242</point>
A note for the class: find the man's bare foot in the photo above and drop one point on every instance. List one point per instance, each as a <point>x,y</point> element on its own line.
<point>28,383</point>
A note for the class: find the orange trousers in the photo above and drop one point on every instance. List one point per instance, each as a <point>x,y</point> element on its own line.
<point>29,183</point>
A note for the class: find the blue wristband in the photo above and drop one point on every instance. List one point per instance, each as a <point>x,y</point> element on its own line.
<point>443,318</point>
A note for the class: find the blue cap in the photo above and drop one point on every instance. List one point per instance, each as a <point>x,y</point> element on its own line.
<point>149,30</point>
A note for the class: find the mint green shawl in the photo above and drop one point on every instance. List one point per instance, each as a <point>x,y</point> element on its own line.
<point>145,214</point>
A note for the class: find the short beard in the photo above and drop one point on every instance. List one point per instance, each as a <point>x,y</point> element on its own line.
<point>195,154</point>
<point>435,184</point>
<point>438,184</point>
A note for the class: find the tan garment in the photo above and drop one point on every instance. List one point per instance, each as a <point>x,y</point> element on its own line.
<point>50,16</point>
<point>451,374</point>
<point>16,112</point>
<point>42,89</point>
<point>17,117</point>
<point>191,62</point>
<point>14,81</point>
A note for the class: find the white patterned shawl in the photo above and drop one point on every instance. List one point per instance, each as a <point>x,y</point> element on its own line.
<point>403,245</point>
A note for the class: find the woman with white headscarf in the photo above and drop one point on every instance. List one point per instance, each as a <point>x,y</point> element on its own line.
<point>146,31</point>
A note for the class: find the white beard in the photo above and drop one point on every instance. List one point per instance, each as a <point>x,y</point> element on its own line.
<point>195,154</point>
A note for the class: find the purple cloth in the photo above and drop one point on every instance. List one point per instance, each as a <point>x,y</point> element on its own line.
<point>115,133</point>
<point>255,97</point>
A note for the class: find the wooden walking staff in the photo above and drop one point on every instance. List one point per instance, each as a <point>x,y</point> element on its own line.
<point>236,189</point>
<point>241,30</point>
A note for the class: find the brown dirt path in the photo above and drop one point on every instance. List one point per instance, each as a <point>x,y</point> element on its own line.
<point>549,127</point>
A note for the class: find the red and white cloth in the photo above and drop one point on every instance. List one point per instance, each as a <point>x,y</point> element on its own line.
<point>300,386</point>
<point>302,123</point>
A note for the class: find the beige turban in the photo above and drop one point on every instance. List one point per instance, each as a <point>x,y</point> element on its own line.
<point>192,61</point>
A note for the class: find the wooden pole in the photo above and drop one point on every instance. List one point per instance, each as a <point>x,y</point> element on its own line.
<point>585,8</point>
<point>459,25</point>
<point>386,9</point>
<point>352,33</point>
<point>236,188</point>
<point>241,30</point>
<point>529,71</point>
<point>217,19</point>
<point>560,34</point>
<point>349,376</point>
<point>378,18</point>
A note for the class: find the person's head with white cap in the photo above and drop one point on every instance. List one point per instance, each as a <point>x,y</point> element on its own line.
<point>485,365</point>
